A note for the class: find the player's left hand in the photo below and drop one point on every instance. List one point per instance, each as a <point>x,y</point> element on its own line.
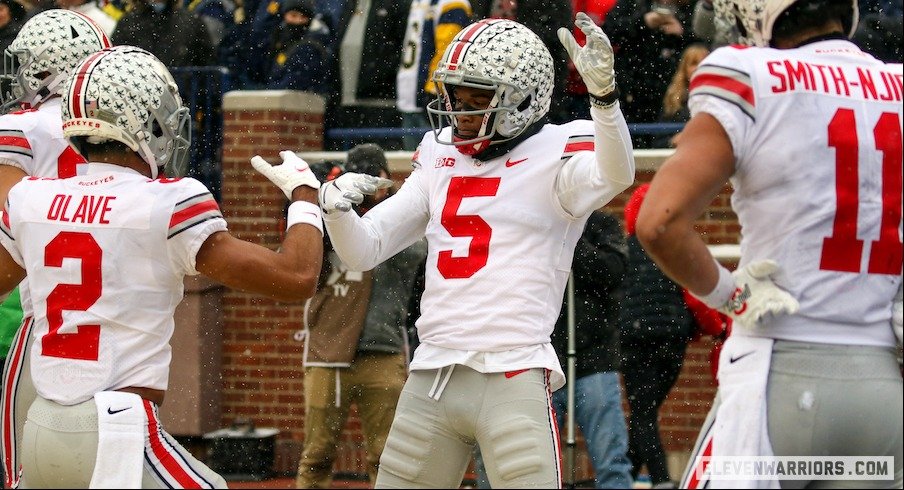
<point>595,61</point>
<point>756,296</point>
<point>293,172</point>
<point>349,189</point>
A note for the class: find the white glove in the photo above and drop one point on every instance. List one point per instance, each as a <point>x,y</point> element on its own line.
<point>349,189</point>
<point>293,172</point>
<point>595,61</point>
<point>757,297</point>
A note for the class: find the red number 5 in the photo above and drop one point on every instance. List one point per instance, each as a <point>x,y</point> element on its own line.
<point>73,297</point>
<point>842,251</point>
<point>466,225</point>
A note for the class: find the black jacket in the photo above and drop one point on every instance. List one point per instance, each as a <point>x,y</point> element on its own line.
<point>653,307</point>
<point>382,49</point>
<point>176,36</point>
<point>645,59</point>
<point>600,262</point>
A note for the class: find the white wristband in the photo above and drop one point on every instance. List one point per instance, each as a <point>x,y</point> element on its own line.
<point>304,212</point>
<point>724,290</point>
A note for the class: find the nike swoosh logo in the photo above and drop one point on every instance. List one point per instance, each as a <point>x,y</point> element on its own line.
<point>733,360</point>
<point>111,411</point>
<point>512,163</point>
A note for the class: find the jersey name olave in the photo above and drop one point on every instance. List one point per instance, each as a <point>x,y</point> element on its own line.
<point>89,209</point>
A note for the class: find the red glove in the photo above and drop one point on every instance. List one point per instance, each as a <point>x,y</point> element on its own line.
<point>709,321</point>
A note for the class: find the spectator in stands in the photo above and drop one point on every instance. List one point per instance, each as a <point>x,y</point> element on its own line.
<point>356,349</point>
<point>90,9</point>
<point>12,16</point>
<point>174,35</point>
<point>431,26</point>
<point>544,17</point>
<point>649,38</point>
<point>218,16</point>
<point>332,11</point>
<point>880,29</point>
<point>656,327</point>
<point>674,102</point>
<point>248,49</point>
<point>598,271</point>
<point>297,60</point>
<point>369,50</point>
<point>113,8</point>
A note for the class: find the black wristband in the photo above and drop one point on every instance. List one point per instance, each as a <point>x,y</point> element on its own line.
<point>607,100</point>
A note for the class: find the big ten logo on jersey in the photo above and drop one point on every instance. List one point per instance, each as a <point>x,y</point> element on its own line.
<point>341,276</point>
<point>444,162</point>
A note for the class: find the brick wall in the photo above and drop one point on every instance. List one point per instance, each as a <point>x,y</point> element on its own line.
<point>262,375</point>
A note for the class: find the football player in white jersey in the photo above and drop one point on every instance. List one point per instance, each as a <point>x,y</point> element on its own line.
<point>106,253</point>
<point>807,128</point>
<point>36,65</point>
<point>502,198</point>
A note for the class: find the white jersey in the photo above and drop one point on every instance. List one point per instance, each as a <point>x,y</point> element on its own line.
<point>33,140</point>
<point>106,254</point>
<point>816,133</point>
<point>501,237</point>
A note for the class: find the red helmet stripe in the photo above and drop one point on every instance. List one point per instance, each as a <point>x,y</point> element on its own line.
<point>464,40</point>
<point>76,101</point>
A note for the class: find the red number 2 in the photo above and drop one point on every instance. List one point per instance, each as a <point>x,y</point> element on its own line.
<point>842,251</point>
<point>73,297</point>
<point>466,225</point>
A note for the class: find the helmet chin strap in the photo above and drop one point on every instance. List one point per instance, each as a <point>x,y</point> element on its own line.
<point>471,150</point>
<point>145,151</point>
<point>489,121</point>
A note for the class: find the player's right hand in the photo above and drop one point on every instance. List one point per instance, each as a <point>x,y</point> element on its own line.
<point>757,297</point>
<point>349,189</point>
<point>293,172</point>
<point>595,61</point>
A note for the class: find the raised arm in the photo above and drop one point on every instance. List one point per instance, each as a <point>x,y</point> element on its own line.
<point>585,184</point>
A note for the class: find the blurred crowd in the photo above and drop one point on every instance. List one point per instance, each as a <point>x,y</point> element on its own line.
<point>371,59</point>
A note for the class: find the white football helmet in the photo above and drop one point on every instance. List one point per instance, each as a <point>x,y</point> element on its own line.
<point>45,50</point>
<point>499,55</point>
<point>126,94</point>
<point>755,19</point>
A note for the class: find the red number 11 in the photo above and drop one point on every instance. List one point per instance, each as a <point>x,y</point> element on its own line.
<point>842,251</point>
